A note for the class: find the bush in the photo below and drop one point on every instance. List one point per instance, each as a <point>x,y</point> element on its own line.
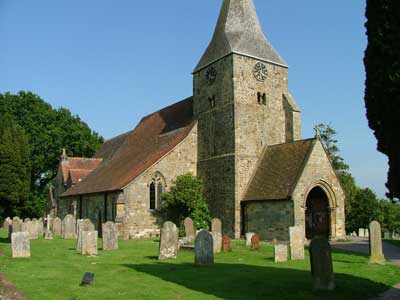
<point>186,199</point>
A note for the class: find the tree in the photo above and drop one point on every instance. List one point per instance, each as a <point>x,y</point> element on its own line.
<point>186,199</point>
<point>382,92</point>
<point>14,167</point>
<point>48,131</point>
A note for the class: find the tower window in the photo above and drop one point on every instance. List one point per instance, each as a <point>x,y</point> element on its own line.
<point>211,100</point>
<point>262,98</point>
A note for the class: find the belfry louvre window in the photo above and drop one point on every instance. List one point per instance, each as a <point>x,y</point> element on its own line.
<point>152,196</point>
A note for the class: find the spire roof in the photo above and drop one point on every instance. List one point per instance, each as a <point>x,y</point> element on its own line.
<point>239,31</point>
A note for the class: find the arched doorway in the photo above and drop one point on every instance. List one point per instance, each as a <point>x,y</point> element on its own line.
<point>317,214</point>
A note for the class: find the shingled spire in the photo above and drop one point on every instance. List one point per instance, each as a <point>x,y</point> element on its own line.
<point>238,31</point>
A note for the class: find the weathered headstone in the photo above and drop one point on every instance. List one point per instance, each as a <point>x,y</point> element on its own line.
<point>375,244</point>
<point>387,235</point>
<point>321,265</point>
<point>217,242</point>
<point>16,225</point>
<point>20,245</point>
<point>296,235</point>
<point>69,227</point>
<point>26,220</point>
<point>168,241</point>
<point>57,232</point>
<point>110,236</point>
<point>280,253</point>
<point>255,242</point>
<point>39,227</point>
<point>7,222</point>
<point>226,244</point>
<point>48,235</point>
<point>216,225</point>
<point>83,225</point>
<point>32,230</point>
<point>203,249</point>
<point>361,232</point>
<point>249,235</point>
<point>366,231</point>
<point>189,228</point>
<point>355,234</point>
<point>89,243</point>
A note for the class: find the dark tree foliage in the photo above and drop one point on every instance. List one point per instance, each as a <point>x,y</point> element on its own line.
<point>15,169</point>
<point>382,93</point>
<point>48,131</point>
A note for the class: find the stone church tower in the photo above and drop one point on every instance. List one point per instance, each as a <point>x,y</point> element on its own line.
<point>242,103</point>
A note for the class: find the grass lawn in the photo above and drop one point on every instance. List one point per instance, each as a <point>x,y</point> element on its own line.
<point>394,242</point>
<point>133,272</point>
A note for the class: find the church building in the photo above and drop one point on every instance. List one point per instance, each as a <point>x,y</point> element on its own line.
<point>240,133</point>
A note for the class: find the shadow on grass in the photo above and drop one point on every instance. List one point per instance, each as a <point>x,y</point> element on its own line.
<point>240,281</point>
<point>4,240</point>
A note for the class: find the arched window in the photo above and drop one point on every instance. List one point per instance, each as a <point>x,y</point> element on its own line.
<point>152,195</point>
<point>156,189</point>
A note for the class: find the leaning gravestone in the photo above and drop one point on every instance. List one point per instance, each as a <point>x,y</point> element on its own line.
<point>321,265</point>
<point>216,225</point>
<point>249,235</point>
<point>189,228</point>
<point>20,245</point>
<point>255,242</point>
<point>280,253</point>
<point>110,236</point>
<point>361,232</point>
<point>69,227</point>
<point>168,241</point>
<point>89,243</point>
<point>57,227</point>
<point>203,249</point>
<point>375,244</point>
<point>83,225</point>
<point>226,244</point>
<point>296,235</point>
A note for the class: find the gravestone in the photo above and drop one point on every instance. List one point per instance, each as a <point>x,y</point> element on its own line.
<point>83,225</point>
<point>189,228</point>
<point>168,241</point>
<point>69,227</point>
<point>88,279</point>
<point>39,227</point>
<point>387,235</point>
<point>280,253</point>
<point>321,265</point>
<point>255,242</point>
<point>216,225</point>
<point>89,243</point>
<point>361,232</point>
<point>355,234</point>
<point>226,244</point>
<point>203,249</point>
<point>249,235</point>
<point>217,242</point>
<point>296,235</point>
<point>16,225</point>
<point>32,230</point>
<point>275,241</point>
<point>57,232</point>
<point>7,222</point>
<point>375,244</point>
<point>110,236</point>
<point>26,220</point>
<point>366,231</point>
<point>20,245</point>
<point>48,235</point>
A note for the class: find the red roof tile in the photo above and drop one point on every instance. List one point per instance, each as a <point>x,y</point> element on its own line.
<point>78,163</point>
<point>130,154</point>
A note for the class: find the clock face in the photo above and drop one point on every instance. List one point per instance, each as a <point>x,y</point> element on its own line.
<point>211,75</point>
<point>260,71</point>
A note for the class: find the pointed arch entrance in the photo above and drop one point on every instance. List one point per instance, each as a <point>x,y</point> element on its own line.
<point>317,214</point>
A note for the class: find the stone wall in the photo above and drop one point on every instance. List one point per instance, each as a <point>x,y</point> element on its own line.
<point>270,219</point>
<point>139,220</point>
<point>319,172</point>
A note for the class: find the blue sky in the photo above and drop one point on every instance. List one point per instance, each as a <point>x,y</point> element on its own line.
<point>113,62</point>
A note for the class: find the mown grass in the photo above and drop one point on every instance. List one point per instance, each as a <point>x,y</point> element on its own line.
<point>133,272</point>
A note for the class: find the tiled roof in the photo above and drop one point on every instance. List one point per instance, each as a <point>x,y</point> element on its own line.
<point>85,165</point>
<point>77,175</point>
<point>129,155</point>
<point>278,171</point>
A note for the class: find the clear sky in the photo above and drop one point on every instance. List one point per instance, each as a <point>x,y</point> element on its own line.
<point>113,62</point>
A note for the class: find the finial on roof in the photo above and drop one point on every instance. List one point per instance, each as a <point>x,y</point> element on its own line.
<point>317,132</point>
<point>64,154</point>
<point>239,31</point>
